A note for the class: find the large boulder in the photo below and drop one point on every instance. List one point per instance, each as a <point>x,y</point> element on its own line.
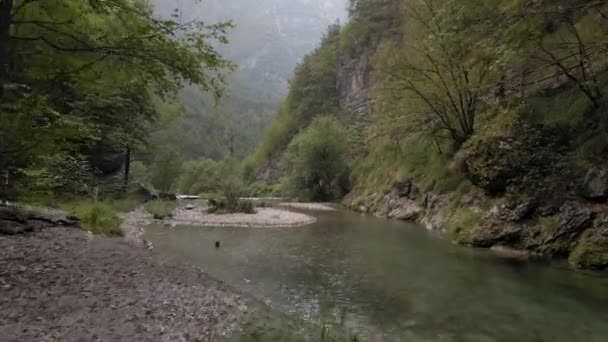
<point>595,184</point>
<point>527,159</point>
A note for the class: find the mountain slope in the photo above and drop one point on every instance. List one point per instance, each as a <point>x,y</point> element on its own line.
<point>270,37</point>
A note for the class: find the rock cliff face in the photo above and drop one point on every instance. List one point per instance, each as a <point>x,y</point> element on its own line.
<point>357,75</point>
<point>355,82</point>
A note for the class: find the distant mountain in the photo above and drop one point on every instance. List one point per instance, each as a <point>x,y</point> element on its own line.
<point>270,37</point>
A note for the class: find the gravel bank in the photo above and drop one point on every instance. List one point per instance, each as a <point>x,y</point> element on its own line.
<point>309,206</point>
<point>61,284</point>
<point>263,218</point>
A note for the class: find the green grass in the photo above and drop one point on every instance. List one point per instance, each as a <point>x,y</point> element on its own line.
<point>549,224</point>
<point>461,223</point>
<point>97,217</point>
<point>161,209</point>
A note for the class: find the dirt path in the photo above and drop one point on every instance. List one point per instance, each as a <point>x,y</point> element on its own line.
<point>60,284</point>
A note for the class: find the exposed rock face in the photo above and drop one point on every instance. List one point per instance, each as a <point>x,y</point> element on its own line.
<point>573,220</point>
<point>354,84</point>
<point>527,225</point>
<point>595,184</point>
<point>406,210</point>
<point>357,76</point>
<point>494,233</point>
<point>515,211</point>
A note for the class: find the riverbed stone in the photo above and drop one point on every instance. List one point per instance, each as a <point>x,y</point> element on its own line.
<point>60,284</point>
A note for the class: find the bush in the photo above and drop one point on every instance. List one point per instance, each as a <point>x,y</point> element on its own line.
<point>160,209</point>
<point>316,162</point>
<point>203,176</point>
<point>97,217</point>
<point>231,202</point>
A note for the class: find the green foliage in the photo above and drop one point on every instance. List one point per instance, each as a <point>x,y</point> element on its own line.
<point>528,160</point>
<point>166,168</point>
<point>550,225</point>
<point>312,93</point>
<point>317,161</point>
<point>232,190</point>
<point>140,173</point>
<point>88,71</point>
<point>161,209</point>
<point>203,176</point>
<point>263,190</point>
<point>591,252</point>
<point>97,217</point>
<point>125,204</point>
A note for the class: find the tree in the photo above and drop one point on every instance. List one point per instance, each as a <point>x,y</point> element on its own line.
<point>317,161</point>
<point>440,74</point>
<point>89,72</point>
<point>166,169</point>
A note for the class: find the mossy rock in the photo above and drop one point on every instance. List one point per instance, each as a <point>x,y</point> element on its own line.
<point>528,159</point>
<point>591,252</point>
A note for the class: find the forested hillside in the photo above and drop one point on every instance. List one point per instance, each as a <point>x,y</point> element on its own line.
<point>268,39</point>
<point>493,131</point>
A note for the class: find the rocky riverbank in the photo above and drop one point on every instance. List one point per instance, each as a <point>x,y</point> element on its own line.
<point>60,283</point>
<point>571,227</point>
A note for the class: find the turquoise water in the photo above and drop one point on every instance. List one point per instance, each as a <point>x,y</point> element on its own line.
<point>393,281</point>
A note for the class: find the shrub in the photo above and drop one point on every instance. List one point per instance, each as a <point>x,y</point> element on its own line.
<point>203,176</point>
<point>231,202</point>
<point>316,162</point>
<point>97,217</point>
<point>161,209</point>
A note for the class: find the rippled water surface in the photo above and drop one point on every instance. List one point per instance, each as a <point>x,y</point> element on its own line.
<point>395,281</point>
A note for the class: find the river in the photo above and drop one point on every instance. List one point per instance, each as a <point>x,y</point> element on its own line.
<point>395,281</point>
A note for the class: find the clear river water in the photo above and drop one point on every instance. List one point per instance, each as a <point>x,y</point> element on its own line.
<point>395,281</point>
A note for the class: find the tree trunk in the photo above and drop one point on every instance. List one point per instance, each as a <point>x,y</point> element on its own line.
<point>127,165</point>
<point>6,9</point>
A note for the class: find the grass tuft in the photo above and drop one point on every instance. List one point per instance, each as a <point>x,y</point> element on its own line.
<point>161,209</point>
<point>97,217</point>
